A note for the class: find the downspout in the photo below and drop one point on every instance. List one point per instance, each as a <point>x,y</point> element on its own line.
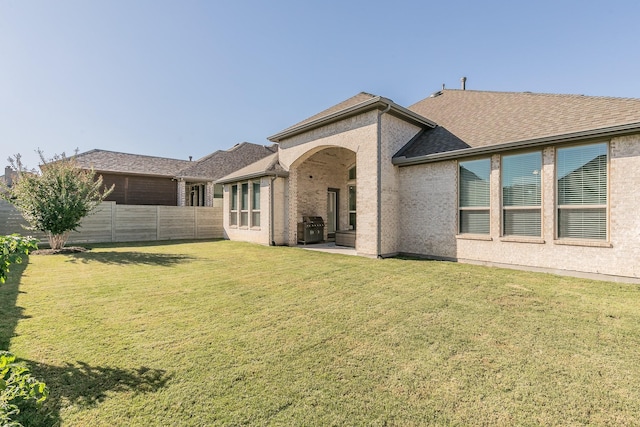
<point>271,212</point>
<point>379,191</point>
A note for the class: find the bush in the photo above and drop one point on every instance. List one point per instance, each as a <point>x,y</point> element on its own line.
<point>56,200</point>
<point>12,248</point>
<point>16,386</point>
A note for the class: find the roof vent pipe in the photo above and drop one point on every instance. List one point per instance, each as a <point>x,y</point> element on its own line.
<point>463,81</point>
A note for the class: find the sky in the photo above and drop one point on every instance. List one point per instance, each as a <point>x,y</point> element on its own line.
<point>187,77</point>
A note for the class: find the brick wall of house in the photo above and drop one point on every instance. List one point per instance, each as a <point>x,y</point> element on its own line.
<point>357,134</point>
<point>325,169</point>
<point>429,225</point>
<point>249,234</point>
<point>395,133</point>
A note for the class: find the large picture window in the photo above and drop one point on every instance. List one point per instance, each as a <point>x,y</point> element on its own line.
<point>521,194</point>
<point>474,196</point>
<point>582,191</point>
<point>245,204</point>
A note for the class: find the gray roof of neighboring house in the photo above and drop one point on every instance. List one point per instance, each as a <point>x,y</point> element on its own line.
<point>268,166</point>
<point>124,163</point>
<point>223,162</point>
<point>357,104</point>
<point>472,120</point>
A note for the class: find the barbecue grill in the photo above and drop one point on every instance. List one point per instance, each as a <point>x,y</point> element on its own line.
<point>311,230</point>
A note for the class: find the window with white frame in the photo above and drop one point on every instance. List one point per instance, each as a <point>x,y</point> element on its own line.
<point>233,214</point>
<point>255,204</point>
<point>582,191</point>
<point>217,191</point>
<point>245,204</point>
<point>521,194</point>
<point>474,196</point>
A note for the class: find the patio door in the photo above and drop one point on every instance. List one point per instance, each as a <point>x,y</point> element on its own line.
<point>332,212</point>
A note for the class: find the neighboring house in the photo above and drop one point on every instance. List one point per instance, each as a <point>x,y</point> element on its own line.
<point>149,180</point>
<point>529,180</point>
<point>9,176</point>
<point>138,179</point>
<point>195,182</point>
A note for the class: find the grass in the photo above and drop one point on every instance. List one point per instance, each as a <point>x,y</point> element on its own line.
<point>226,333</point>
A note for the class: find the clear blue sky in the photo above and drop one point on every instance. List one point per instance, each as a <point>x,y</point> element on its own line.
<point>186,77</point>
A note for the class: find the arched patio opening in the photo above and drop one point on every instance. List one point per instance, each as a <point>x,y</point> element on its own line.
<point>323,184</point>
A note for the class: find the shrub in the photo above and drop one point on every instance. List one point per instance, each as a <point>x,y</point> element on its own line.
<point>12,248</point>
<point>56,200</point>
<point>16,386</point>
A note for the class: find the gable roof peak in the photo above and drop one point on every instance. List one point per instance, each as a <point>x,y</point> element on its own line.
<point>358,104</point>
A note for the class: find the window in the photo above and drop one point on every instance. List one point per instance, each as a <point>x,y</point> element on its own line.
<point>473,196</point>
<point>233,217</point>
<point>352,173</point>
<point>521,194</point>
<point>352,198</point>
<point>352,207</point>
<point>582,191</point>
<point>248,200</point>
<point>197,194</point>
<point>244,205</point>
<point>217,191</point>
<point>255,205</point>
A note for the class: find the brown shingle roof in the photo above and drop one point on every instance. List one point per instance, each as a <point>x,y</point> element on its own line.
<point>347,103</point>
<point>112,161</point>
<point>358,104</point>
<point>480,119</point>
<point>269,166</point>
<point>223,162</point>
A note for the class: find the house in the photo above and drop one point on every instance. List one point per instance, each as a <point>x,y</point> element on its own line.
<point>150,180</point>
<point>9,176</point>
<point>137,179</point>
<point>196,181</point>
<point>538,181</point>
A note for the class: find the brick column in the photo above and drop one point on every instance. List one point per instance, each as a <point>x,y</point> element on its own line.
<point>208,194</point>
<point>182,189</point>
<point>293,206</point>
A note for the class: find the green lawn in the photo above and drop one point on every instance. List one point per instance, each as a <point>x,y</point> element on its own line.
<point>226,333</point>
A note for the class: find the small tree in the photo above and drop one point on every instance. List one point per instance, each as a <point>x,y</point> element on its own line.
<point>57,199</point>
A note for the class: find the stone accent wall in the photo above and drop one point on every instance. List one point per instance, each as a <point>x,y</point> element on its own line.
<point>208,194</point>
<point>429,226</point>
<point>182,193</point>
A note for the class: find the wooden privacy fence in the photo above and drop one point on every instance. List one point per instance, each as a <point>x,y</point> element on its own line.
<point>128,223</point>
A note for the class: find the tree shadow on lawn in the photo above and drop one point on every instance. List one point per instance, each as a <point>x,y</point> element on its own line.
<point>10,313</point>
<point>76,384</point>
<point>82,385</point>
<point>129,258</point>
